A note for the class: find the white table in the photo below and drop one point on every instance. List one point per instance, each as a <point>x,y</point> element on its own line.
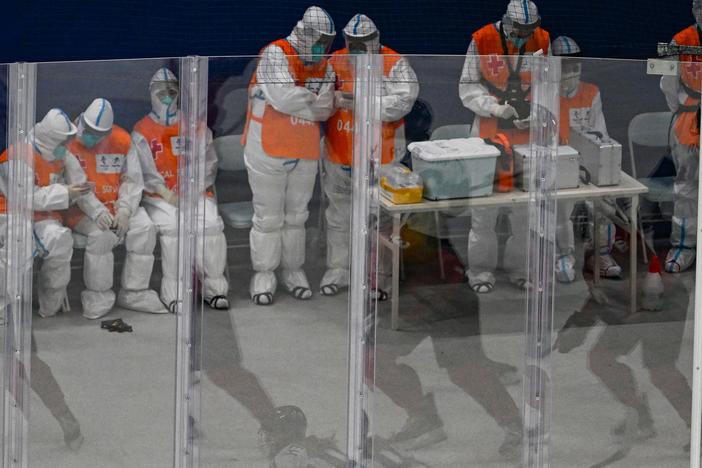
<point>628,188</point>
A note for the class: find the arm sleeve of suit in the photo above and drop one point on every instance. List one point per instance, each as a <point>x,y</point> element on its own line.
<point>279,89</point>
<point>153,180</point>
<point>51,197</point>
<point>473,94</point>
<point>74,174</point>
<point>131,183</point>
<point>400,91</point>
<point>597,119</point>
<point>670,85</point>
<point>210,162</point>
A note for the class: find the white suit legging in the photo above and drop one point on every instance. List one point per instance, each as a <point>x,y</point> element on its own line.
<point>687,163</point>
<point>282,189</point>
<point>210,258</point>
<point>482,243</point>
<point>53,243</point>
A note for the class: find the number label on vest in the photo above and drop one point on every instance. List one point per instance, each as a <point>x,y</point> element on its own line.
<point>109,163</point>
<point>294,120</point>
<point>176,145</point>
<point>580,117</point>
<point>342,126</point>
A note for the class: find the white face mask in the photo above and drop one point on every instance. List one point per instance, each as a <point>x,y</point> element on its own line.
<point>570,84</point>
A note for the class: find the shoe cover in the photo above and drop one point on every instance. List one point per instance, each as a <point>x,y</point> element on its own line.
<point>97,304</point>
<point>293,279</point>
<point>263,282</point>
<point>146,300</point>
<point>679,259</point>
<point>337,276</point>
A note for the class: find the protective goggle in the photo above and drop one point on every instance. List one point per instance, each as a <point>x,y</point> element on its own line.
<point>519,30</point>
<point>571,67</point>
<point>164,89</point>
<point>89,130</point>
<point>360,44</point>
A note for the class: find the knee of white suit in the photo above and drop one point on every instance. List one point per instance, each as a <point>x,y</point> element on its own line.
<point>296,219</point>
<point>268,223</point>
<point>59,245</point>
<point>101,242</point>
<point>141,240</point>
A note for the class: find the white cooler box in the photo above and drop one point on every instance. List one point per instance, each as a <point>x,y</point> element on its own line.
<point>567,165</point>
<point>602,157</point>
<point>457,168</point>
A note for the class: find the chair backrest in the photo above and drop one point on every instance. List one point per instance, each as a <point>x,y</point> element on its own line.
<point>230,153</point>
<point>448,132</point>
<point>649,129</point>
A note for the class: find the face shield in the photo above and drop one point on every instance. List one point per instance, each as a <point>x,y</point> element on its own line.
<point>88,135</point>
<point>362,45</point>
<point>571,70</point>
<point>321,47</point>
<point>519,33</point>
<point>166,92</point>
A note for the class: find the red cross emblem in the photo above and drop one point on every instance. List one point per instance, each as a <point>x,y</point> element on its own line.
<point>156,147</point>
<point>495,64</point>
<point>694,69</point>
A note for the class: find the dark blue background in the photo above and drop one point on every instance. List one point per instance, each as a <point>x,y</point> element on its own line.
<point>41,30</point>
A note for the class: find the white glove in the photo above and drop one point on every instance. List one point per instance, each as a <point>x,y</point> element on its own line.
<point>505,111</point>
<point>168,195</point>
<point>341,102</point>
<point>121,223</point>
<point>104,220</point>
<point>78,190</point>
<point>523,124</point>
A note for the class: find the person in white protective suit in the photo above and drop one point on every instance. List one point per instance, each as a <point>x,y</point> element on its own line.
<point>58,181</point>
<point>112,215</point>
<point>581,107</point>
<point>291,93</point>
<point>682,93</point>
<point>156,141</point>
<point>399,92</point>
<point>495,86</point>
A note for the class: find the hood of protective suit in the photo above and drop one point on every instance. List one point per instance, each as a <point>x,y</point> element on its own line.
<point>96,122</point>
<point>362,29</point>
<point>51,132</point>
<point>313,34</point>
<point>697,12</point>
<point>164,109</point>
<point>566,47</point>
<point>522,17</point>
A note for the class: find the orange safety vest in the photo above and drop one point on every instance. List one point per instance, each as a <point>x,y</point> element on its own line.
<point>164,142</point>
<point>576,108</point>
<point>686,127</point>
<point>103,166</point>
<point>45,173</point>
<point>285,135</point>
<point>495,69</point>
<point>340,127</point>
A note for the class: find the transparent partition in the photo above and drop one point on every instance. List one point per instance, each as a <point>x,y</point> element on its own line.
<point>108,213</point>
<point>457,197</point>
<point>626,244</point>
<point>275,367</point>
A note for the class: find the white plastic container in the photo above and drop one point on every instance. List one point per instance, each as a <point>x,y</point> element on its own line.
<point>457,168</point>
<point>602,157</point>
<point>567,167</point>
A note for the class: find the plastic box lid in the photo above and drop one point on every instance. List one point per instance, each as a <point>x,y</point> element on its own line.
<point>454,149</point>
<point>564,151</point>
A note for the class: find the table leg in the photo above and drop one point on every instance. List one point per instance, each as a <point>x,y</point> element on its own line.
<point>596,242</point>
<point>633,236</point>
<point>395,293</point>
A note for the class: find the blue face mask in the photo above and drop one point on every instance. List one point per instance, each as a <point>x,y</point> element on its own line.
<point>167,100</point>
<point>60,152</point>
<point>519,41</point>
<point>90,140</point>
<point>318,51</point>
